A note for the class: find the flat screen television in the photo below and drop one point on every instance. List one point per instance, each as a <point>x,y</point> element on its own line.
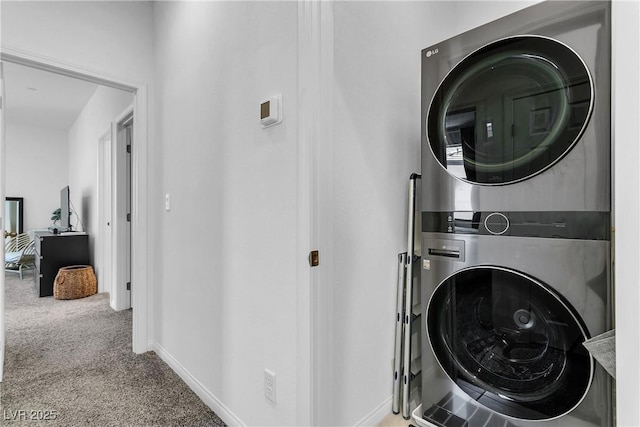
<point>65,210</point>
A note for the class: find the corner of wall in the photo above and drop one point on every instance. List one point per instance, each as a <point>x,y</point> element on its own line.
<point>197,387</point>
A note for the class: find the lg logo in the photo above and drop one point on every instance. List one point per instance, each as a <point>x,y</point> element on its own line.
<point>431,52</point>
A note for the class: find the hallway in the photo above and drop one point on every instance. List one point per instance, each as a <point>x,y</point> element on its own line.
<point>70,362</point>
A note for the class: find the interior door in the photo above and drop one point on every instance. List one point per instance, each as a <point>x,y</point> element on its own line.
<point>121,230</point>
<point>128,128</point>
<point>2,151</point>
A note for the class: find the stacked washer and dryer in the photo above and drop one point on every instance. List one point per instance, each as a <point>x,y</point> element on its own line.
<point>516,220</point>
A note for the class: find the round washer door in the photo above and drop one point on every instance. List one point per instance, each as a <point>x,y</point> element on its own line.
<point>510,342</point>
<point>510,110</point>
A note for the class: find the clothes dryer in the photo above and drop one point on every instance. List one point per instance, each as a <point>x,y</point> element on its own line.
<point>508,300</point>
<point>516,113</point>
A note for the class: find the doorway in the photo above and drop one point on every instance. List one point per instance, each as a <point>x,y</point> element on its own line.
<point>139,184</point>
<point>122,203</point>
<point>114,210</point>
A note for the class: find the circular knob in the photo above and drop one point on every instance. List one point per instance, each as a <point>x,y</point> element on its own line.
<point>496,223</point>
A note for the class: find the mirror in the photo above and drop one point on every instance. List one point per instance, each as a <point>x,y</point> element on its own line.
<point>14,216</point>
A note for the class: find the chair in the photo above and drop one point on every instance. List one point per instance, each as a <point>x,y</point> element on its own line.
<point>17,242</point>
<point>20,253</point>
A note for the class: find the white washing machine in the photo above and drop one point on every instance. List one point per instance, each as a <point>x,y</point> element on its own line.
<point>508,300</point>
<point>516,113</point>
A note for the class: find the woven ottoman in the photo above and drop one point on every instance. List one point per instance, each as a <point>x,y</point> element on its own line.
<point>74,281</point>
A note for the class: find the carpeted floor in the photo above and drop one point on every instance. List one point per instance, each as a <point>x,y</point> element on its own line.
<point>71,362</point>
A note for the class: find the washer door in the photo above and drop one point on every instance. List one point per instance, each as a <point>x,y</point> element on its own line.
<point>510,342</point>
<point>510,110</point>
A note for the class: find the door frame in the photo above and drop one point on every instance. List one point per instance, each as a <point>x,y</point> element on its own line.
<point>316,361</point>
<point>121,228</point>
<point>139,246</point>
<point>105,235</point>
<point>2,219</point>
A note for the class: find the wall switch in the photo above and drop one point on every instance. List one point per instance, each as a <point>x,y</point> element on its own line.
<point>270,385</point>
<point>167,202</point>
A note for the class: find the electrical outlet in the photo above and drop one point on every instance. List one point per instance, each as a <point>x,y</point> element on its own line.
<point>270,385</point>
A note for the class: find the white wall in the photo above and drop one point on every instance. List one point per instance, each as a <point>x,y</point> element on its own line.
<point>36,168</point>
<point>226,286</point>
<point>113,38</point>
<point>626,128</point>
<point>376,147</point>
<point>91,124</point>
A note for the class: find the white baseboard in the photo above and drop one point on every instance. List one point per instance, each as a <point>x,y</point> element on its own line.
<point>207,397</point>
<point>374,417</point>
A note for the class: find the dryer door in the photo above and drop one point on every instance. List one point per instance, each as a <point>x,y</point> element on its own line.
<point>510,110</point>
<point>510,342</point>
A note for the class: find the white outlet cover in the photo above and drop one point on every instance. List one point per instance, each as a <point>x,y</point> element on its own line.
<point>270,385</point>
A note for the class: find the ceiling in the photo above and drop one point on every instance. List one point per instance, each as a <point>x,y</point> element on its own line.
<point>43,99</point>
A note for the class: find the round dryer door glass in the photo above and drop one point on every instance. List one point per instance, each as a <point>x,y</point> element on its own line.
<point>510,342</point>
<point>510,110</point>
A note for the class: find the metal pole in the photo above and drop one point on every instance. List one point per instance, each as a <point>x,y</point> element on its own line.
<point>406,367</point>
<point>397,361</point>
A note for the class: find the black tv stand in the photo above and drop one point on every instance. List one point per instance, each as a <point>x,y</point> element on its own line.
<point>54,251</point>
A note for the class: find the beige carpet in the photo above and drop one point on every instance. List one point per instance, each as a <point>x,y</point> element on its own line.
<point>69,363</point>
